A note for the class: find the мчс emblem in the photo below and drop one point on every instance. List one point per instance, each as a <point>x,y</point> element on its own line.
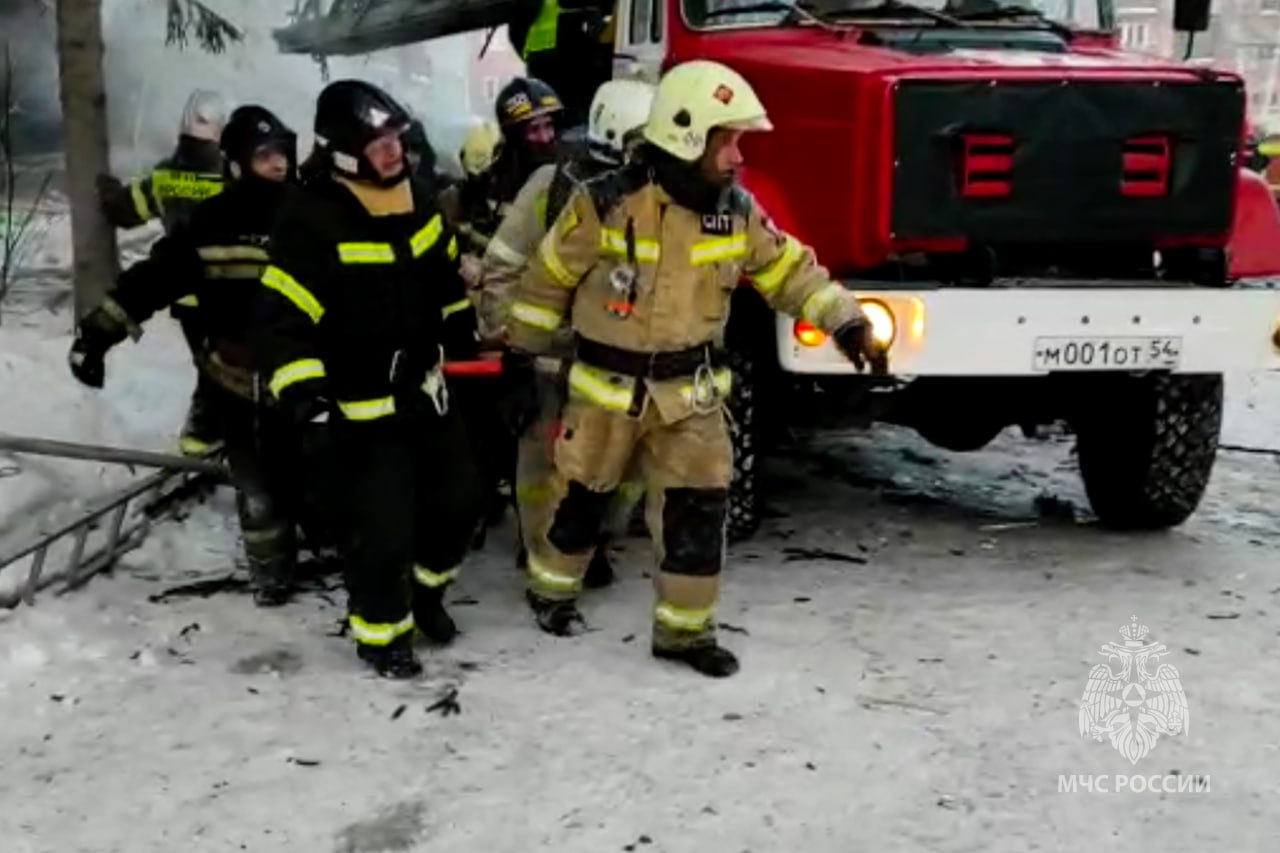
<point>1133,699</point>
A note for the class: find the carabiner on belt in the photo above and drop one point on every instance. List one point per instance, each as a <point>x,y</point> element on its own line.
<point>623,279</point>
<point>705,396</point>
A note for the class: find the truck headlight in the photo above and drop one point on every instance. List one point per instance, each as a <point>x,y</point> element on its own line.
<point>884,328</point>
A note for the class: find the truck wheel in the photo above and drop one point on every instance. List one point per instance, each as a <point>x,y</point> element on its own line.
<point>1146,450</point>
<point>744,511</point>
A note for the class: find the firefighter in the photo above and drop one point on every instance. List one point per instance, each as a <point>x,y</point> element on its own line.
<point>642,262</point>
<point>189,175</point>
<point>618,113</point>
<point>569,44</point>
<point>221,247</point>
<point>529,113</point>
<point>422,160</point>
<point>192,173</point>
<point>359,305</point>
<point>527,110</point>
<point>471,205</point>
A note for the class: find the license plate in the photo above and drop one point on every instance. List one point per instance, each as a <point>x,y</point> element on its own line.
<point>1107,353</point>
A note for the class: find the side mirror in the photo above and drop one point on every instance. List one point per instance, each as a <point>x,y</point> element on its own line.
<point>1191,16</point>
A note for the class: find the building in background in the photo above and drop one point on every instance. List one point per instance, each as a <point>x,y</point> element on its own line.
<point>1243,37</point>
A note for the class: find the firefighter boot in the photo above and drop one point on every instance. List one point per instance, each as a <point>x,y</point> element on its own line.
<point>270,554</point>
<point>708,658</point>
<point>271,587</point>
<point>600,569</point>
<point>199,435</point>
<point>394,660</point>
<point>430,616</point>
<point>559,618</point>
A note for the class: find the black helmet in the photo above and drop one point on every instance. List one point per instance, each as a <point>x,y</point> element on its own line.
<point>524,99</point>
<point>251,128</point>
<point>349,115</point>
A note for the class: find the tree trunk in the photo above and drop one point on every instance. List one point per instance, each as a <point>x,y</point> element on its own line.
<point>84,137</point>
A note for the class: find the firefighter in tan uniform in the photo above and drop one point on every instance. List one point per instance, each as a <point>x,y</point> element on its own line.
<point>617,115</point>
<point>642,263</point>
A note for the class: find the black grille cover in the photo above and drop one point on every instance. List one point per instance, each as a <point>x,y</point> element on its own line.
<point>1067,173</point>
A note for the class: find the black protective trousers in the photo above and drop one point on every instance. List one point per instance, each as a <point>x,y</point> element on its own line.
<point>264,465</point>
<point>412,499</point>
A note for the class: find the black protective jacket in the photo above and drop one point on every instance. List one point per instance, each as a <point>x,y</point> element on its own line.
<point>170,191</point>
<point>214,259</point>
<point>356,308</point>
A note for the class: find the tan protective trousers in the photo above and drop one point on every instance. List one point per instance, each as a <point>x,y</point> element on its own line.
<point>534,468</point>
<point>687,467</point>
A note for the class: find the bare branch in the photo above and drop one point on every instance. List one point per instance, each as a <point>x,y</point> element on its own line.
<point>212,31</point>
<point>12,231</point>
<point>8,238</point>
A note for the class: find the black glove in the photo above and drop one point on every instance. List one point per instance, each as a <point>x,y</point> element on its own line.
<point>518,396</point>
<point>88,363</point>
<point>108,186</point>
<point>304,407</point>
<point>855,340</point>
<point>97,334</point>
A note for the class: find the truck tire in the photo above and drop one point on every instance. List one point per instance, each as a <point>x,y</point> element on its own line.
<point>1147,448</point>
<point>744,510</point>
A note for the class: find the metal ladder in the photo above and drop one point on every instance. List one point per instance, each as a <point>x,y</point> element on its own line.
<point>127,513</point>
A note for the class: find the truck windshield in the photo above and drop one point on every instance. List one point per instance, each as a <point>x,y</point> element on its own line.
<point>1076,14</point>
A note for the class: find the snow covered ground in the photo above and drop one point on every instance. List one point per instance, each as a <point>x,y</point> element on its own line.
<point>915,635</point>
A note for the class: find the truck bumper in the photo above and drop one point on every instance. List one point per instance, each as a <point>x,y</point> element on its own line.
<point>1038,331</point>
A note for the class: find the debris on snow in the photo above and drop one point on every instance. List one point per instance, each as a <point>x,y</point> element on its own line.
<point>398,712</point>
<point>875,703</point>
<point>1051,506</point>
<point>446,704</point>
<point>1008,525</point>
<point>793,554</point>
<point>201,589</point>
<point>732,629</point>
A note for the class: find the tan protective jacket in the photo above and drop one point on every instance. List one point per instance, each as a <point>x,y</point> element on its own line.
<point>688,266</point>
<point>515,241</point>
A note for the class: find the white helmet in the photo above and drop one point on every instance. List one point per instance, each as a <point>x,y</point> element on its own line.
<point>695,97</point>
<point>204,116</point>
<point>619,108</point>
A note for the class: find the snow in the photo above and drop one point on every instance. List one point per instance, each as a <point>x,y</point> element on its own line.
<point>925,699</point>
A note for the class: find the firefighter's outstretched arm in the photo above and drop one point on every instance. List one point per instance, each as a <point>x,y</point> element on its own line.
<point>128,205</point>
<point>142,290</point>
<point>545,292</point>
<point>286,315</point>
<point>787,274</point>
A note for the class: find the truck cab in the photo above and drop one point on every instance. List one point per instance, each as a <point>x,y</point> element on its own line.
<point>1042,227</point>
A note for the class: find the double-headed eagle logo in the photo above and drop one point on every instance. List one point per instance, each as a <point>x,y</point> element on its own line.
<point>1133,699</point>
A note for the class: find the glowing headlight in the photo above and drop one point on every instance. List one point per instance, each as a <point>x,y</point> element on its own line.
<point>808,334</point>
<point>883,327</point>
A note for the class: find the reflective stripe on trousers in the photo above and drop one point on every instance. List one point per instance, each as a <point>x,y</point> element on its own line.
<point>433,580</point>
<point>681,619</point>
<point>379,633</point>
